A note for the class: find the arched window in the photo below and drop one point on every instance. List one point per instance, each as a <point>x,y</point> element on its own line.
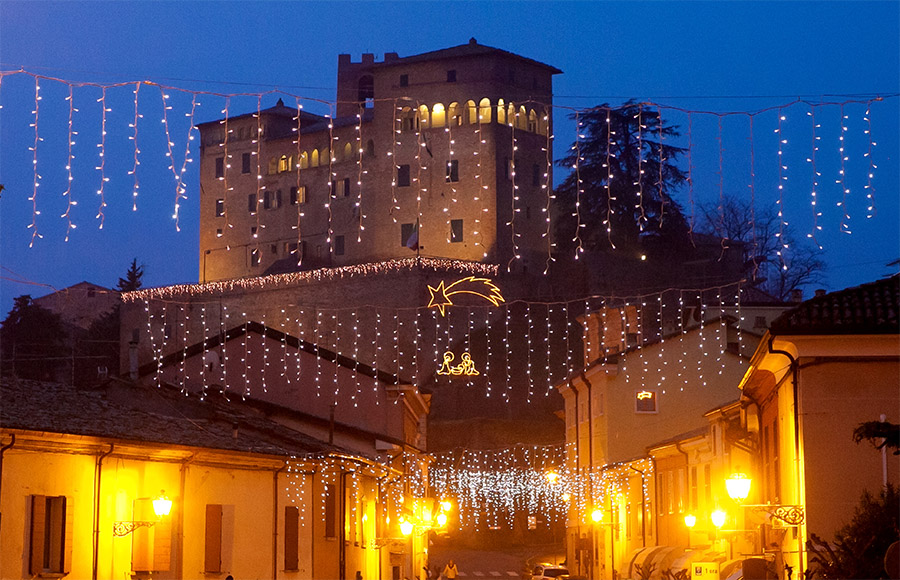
<point>472,112</point>
<point>501,111</point>
<point>407,119</point>
<point>522,119</point>
<point>423,116</point>
<point>273,165</point>
<point>454,114</point>
<point>314,161</point>
<point>304,160</point>
<point>484,111</point>
<point>532,121</point>
<point>348,152</point>
<point>370,148</point>
<point>283,164</point>
<point>438,115</point>
<point>511,115</point>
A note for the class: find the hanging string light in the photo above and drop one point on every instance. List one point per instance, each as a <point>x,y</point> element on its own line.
<point>70,142</point>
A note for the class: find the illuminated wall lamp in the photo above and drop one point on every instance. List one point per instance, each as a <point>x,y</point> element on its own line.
<point>738,487</point>
<point>162,506</point>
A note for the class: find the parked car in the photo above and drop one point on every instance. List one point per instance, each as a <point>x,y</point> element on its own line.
<point>549,572</point>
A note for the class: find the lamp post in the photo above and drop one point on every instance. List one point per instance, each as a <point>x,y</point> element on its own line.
<point>738,487</point>
<point>690,520</point>
<point>162,506</point>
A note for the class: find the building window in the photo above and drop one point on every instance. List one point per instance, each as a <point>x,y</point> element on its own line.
<point>403,175</point>
<point>274,248</point>
<point>245,163</point>
<point>298,195</point>
<point>694,488</point>
<point>456,230</point>
<point>408,121</point>
<point>330,511</point>
<point>213,544</point>
<point>404,80</point>
<point>291,538</point>
<point>220,207</point>
<point>645,402</point>
<point>344,187</point>
<point>219,232</point>
<point>272,199</point>
<point>273,165</point>
<point>284,164</point>
<point>254,257</point>
<point>251,203</point>
<point>406,231</point>
<point>339,245</point>
<point>452,171</point>
<point>451,76</point>
<point>535,175</point>
<point>50,526</point>
<point>254,231</point>
<point>220,167</point>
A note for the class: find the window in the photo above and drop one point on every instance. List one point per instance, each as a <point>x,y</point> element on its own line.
<point>501,111</point>
<point>404,80</point>
<point>707,483</point>
<point>273,165</point>
<point>344,187</point>
<point>339,245</point>
<point>298,195</point>
<point>251,203</point>
<point>456,230</point>
<point>403,175</point>
<point>451,76</point>
<point>254,231</point>
<point>694,488</point>
<point>370,148</point>
<point>220,207</point>
<point>220,167</point>
<point>330,511</point>
<point>452,171</point>
<point>645,402</point>
<point>213,544</point>
<point>245,163</point>
<point>51,525</point>
<point>348,152</point>
<point>438,115</point>
<point>406,231</point>
<point>284,163</point>
<point>254,257</point>
<point>219,232</point>
<point>407,120</point>
<point>274,248</point>
<point>291,538</point>
<point>484,111</point>
<point>535,175</point>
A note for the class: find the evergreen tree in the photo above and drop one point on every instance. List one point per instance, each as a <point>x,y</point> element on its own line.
<point>132,279</point>
<point>622,187</point>
<point>32,339</point>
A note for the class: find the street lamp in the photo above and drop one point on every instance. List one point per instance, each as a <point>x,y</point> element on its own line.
<point>162,506</point>
<point>738,487</point>
<point>690,520</point>
<point>596,515</point>
<point>718,518</point>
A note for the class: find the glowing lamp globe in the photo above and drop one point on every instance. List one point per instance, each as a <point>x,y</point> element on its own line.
<point>738,486</point>
<point>690,520</point>
<point>596,515</point>
<point>406,528</point>
<point>446,505</point>
<point>162,505</point>
<point>718,518</point>
<point>442,519</point>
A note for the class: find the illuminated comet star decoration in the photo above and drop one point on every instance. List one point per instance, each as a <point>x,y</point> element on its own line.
<point>440,296</point>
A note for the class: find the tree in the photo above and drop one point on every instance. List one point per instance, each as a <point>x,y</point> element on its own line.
<point>859,547</point>
<point>32,339</point>
<point>132,279</point>
<point>621,188</point>
<point>774,260</point>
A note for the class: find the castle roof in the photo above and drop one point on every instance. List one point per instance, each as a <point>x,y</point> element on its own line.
<point>470,49</point>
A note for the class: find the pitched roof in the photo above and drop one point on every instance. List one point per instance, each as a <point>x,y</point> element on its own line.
<point>156,415</point>
<point>867,309</point>
<point>274,334</point>
<point>470,49</point>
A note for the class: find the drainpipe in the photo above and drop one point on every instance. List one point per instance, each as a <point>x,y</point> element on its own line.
<point>687,469</point>
<point>2,451</point>
<point>275,519</point>
<point>179,546</point>
<point>98,471</point>
<point>795,373</point>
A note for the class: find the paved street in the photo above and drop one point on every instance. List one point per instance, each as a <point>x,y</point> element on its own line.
<point>507,563</point>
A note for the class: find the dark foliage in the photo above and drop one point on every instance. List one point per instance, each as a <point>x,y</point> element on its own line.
<point>132,279</point>
<point>32,340</point>
<point>880,434</point>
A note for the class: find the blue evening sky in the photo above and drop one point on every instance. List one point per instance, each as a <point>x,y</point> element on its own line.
<point>697,56</point>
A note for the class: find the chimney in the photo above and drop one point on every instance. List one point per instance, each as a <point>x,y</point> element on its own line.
<point>797,295</point>
<point>820,292</point>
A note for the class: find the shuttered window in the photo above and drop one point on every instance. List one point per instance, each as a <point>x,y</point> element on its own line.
<point>213,555</point>
<point>291,538</point>
<point>50,535</point>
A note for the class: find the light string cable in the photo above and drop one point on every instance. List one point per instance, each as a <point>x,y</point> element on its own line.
<point>547,186</point>
<point>137,150</point>
<point>102,154</point>
<point>36,177</point>
<point>70,141</point>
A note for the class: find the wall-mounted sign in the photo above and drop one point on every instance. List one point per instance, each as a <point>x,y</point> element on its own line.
<point>441,296</point>
<point>466,366</point>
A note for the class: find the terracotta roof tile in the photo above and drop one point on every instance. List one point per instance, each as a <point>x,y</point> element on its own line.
<point>867,309</point>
